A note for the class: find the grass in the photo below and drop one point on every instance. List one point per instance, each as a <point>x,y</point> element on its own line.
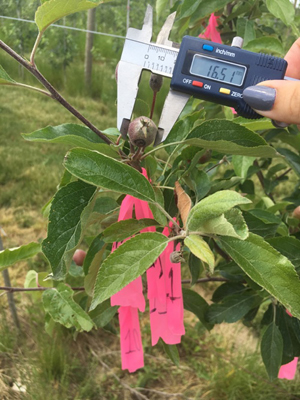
<point>221,365</point>
<point>33,170</point>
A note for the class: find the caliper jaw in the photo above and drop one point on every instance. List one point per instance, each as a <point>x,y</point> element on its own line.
<point>129,74</point>
<point>173,106</point>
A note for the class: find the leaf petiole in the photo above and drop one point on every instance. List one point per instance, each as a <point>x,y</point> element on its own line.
<point>34,49</point>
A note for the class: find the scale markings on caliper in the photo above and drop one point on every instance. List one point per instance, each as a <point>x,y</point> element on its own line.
<point>155,58</point>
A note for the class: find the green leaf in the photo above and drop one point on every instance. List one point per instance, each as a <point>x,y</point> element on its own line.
<point>194,303</point>
<point>172,352</point>
<point>188,8</point>
<point>11,256</point>
<point>266,43</point>
<point>53,10</point>
<point>271,350</point>
<point>213,206</point>
<point>105,205</point>
<point>231,223</point>
<point>289,246</point>
<point>200,249</point>
<point>233,308</point>
<point>160,6</point>
<point>241,164</point>
<point>262,222</point>
<point>100,170</point>
<point>31,282</point>
<point>156,212</point>
<point>59,303</point>
<point>69,212</point>
<point>255,125</point>
<point>227,137</point>
<point>268,268</point>
<point>95,247</point>
<point>5,79</point>
<point>245,29</point>
<point>30,279</point>
<point>95,256</point>
<point>180,130</point>
<point>103,314</point>
<point>202,8</point>
<point>126,263</point>
<point>124,229</point>
<point>201,183</point>
<point>71,134</point>
<point>195,267</point>
<point>292,159</point>
<point>291,345</point>
<point>227,289</point>
<point>282,9</point>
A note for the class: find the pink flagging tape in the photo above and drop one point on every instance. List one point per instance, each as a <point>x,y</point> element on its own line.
<point>130,338</point>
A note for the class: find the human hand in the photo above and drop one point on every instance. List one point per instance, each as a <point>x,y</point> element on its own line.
<point>279,100</point>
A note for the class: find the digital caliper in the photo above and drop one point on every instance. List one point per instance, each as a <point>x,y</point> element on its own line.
<point>220,73</point>
<point>200,68</point>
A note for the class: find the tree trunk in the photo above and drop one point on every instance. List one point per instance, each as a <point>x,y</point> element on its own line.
<point>88,63</point>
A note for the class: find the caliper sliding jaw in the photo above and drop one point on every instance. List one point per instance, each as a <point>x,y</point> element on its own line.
<point>129,74</point>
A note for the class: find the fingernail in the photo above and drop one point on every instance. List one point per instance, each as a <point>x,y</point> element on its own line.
<point>260,98</point>
<point>279,124</point>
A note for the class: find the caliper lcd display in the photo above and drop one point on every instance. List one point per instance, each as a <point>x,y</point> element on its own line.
<point>217,70</point>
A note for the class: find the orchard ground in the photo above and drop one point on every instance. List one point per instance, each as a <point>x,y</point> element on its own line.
<point>222,364</point>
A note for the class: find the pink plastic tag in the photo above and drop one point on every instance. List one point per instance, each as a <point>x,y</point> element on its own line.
<point>165,298</point>
<point>211,31</point>
<point>288,371</point>
<point>130,338</point>
<point>132,294</point>
<point>174,292</point>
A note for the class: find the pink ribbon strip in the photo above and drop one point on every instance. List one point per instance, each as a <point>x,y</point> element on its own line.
<point>131,341</point>
<point>164,294</point>
<point>288,371</point>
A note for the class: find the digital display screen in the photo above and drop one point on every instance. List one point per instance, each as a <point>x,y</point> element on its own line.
<point>217,70</point>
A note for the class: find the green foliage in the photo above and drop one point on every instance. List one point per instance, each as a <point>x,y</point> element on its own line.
<point>239,223</point>
<point>268,268</point>
<point>212,207</point>
<point>5,79</point>
<point>69,214</point>
<point>10,257</point>
<point>100,170</point>
<point>228,137</point>
<point>69,134</point>
<point>59,303</point>
<point>233,307</point>
<point>201,249</point>
<point>127,263</point>
<point>282,9</point>
<point>271,350</point>
<point>122,230</point>
<point>53,10</point>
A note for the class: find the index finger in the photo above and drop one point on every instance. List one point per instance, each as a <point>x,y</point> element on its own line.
<point>293,59</point>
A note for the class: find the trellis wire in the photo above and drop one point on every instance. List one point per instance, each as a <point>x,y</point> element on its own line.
<point>66,27</point>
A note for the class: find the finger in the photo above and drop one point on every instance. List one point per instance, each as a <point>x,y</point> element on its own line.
<point>278,100</point>
<point>293,59</point>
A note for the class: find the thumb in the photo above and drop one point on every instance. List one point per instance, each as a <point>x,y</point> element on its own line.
<point>278,100</point>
